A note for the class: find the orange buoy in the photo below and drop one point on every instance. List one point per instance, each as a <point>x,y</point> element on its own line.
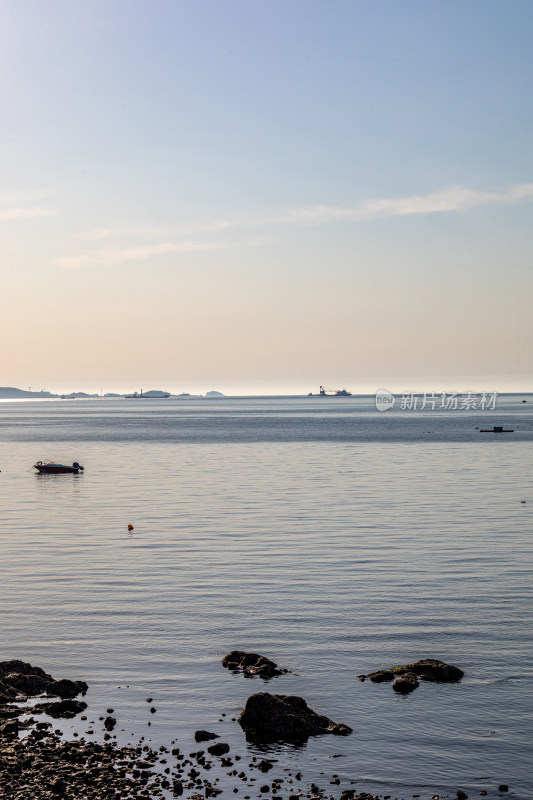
<point>130,527</point>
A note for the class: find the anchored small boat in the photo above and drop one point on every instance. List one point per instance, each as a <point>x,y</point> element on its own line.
<point>53,467</point>
<point>497,429</point>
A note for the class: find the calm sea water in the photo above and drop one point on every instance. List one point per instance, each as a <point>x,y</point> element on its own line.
<point>332,538</point>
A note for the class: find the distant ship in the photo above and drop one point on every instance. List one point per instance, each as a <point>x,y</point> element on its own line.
<point>147,396</point>
<point>325,392</point>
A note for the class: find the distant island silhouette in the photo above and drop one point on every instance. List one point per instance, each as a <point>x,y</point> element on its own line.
<point>11,393</point>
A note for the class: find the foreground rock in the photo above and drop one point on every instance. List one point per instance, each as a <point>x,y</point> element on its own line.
<point>406,677</point>
<point>252,664</point>
<point>20,680</point>
<point>270,717</point>
<point>65,709</point>
<point>66,689</point>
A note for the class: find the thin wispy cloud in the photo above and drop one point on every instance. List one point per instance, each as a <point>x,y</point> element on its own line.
<point>155,231</point>
<point>454,199</point>
<point>25,213</point>
<point>113,257</point>
<point>176,237</point>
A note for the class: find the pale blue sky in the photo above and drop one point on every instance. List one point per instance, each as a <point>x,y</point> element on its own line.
<point>265,196</point>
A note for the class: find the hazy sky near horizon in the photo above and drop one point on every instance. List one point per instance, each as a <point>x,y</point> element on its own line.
<point>266,196</point>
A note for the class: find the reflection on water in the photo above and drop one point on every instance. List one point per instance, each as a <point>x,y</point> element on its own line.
<point>334,558</point>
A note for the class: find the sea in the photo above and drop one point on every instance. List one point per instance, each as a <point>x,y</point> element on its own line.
<point>331,537</point>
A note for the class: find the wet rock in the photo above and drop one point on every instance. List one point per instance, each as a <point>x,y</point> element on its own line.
<point>427,669</point>
<point>366,796</point>
<point>16,667</point>
<point>66,689</point>
<point>264,765</point>
<point>65,709</point>
<point>26,684</point>
<point>252,664</point>
<point>405,683</point>
<point>10,729</point>
<point>7,692</point>
<point>284,717</point>
<point>503,787</point>
<point>7,713</point>
<point>460,795</point>
<point>109,723</point>
<point>204,736</point>
<point>218,749</point>
<point>381,675</point>
<point>20,680</point>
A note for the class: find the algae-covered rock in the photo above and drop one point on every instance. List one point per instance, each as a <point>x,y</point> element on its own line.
<point>427,669</point>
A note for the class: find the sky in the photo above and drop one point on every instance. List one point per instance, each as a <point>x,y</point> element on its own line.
<point>261,197</point>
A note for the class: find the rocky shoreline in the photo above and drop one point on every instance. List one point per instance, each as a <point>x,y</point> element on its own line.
<point>37,762</point>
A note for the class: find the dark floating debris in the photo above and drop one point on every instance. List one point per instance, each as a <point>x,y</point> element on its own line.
<point>252,665</point>
<point>406,677</point>
<point>271,717</point>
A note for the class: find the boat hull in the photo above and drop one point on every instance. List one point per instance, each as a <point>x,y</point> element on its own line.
<point>56,469</point>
